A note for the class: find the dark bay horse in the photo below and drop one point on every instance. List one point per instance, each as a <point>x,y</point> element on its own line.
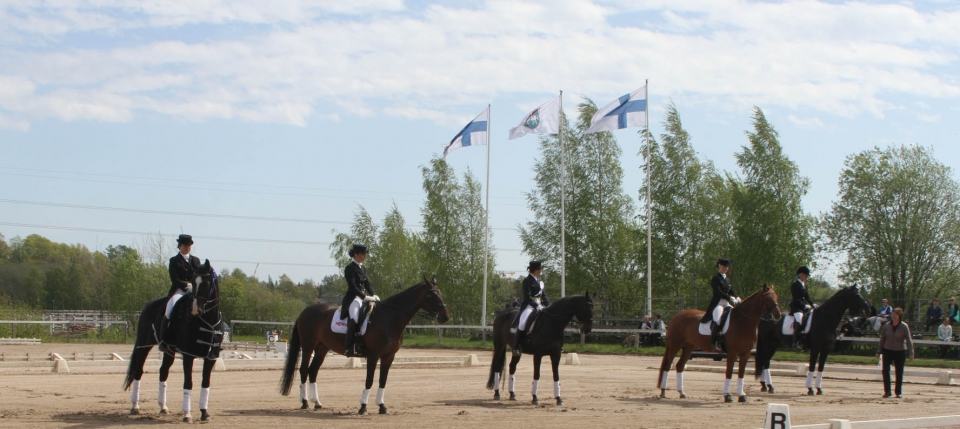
<point>820,341</point>
<point>197,336</point>
<point>684,337</point>
<point>545,339</point>
<point>312,336</point>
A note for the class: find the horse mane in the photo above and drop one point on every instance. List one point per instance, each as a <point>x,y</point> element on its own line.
<point>562,302</point>
<point>836,298</point>
<point>404,295</point>
<point>763,291</point>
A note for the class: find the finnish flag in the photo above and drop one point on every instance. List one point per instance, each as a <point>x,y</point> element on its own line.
<point>475,133</point>
<point>630,110</point>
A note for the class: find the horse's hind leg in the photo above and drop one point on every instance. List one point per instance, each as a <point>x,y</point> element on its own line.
<point>820,363</point>
<point>205,389</point>
<point>314,394</point>
<point>681,364</point>
<point>135,372</point>
<point>668,356</point>
<point>304,368</point>
<point>810,368</point>
<point>537,359</point>
<point>187,387</point>
<point>512,383</point>
<point>165,365</point>
<point>555,365</point>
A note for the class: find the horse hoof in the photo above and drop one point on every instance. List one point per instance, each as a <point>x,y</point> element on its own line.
<point>663,394</point>
<point>304,404</point>
<point>187,419</point>
<point>134,411</point>
<point>819,391</point>
<point>809,391</point>
<point>535,400</point>
<point>513,396</point>
<point>204,416</point>
<point>383,409</point>
<point>763,387</point>
<point>496,395</point>
<point>559,402</point>
<point>363,409</point>
<point>164,411</point>
<point>742,399</point>
<point>770,389</point>
<point>318,406</point>
<point>683,395</point>
<point>727,399</point>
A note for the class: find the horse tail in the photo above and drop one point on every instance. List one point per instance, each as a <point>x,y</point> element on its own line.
<point>144,342</point>
<point>499,355</point>
<point>293,351</point>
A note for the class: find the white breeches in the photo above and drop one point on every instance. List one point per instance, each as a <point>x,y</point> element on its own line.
<point>798,317</point>
<point>718,310</point>
<point>173,301</point>
<point>524,316</point>
<point>354,309</point>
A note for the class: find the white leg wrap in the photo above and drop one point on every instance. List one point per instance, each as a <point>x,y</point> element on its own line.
<point>679,382</point>
<point>819,379</point>
<point>726,386</point>
<point>740,389</point>
<point>135,393</point>
<point>556,389</point>
<point>767,378</point>
<point>496,381</point>
<point>162,395</point>
<point>186,402</point>
<point>512,383</point>
<point>364,396</point>
<point>303,391</point>
<point>204,397</point>
<point>809,379</point>
<point>315,392</point>
<point>534,387</point>
<point>663,379</point>
<point>380,392</point>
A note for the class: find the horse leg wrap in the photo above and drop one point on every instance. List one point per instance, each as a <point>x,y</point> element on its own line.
<point>740,390</point>
<point>135,393</point>
<point>819,379</point>
<point>556,389</point>
<point>364,396</point>
<point>726,386</point>
<point>162,395</point>
<point>186,402</point>
<point>496,381</point>
<point>303,391</point>
<point>512,383</point>
<point>313,392</point>
<point>204,397</point>
<point>767,378</point>
<point>679,382</point>
<point>663,379</point>
<point>809,379</point>
<point>380,392</point>
<point>534,387</point>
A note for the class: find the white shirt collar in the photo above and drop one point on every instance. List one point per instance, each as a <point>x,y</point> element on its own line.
<point>359,264</point>
<point>724,275</point>
<point>535,277</point>
<point>186,257</point>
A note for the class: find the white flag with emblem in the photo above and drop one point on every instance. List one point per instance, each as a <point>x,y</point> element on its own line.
<point>629,110</point>
<point>545,119</point>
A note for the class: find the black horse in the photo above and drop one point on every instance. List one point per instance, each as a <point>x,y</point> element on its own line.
<point>545,338</point>
<point>197,336</point>
<point>820,341</point>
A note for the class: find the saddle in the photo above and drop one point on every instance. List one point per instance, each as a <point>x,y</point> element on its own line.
<point>787,325</point>
<point>338,323</point>
<point>531,321</point>
<point>704,328</point>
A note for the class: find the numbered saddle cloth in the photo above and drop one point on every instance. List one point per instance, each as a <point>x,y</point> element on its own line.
<point>339,326</point>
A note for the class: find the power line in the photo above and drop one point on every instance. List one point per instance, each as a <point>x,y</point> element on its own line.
<point>292,264</point>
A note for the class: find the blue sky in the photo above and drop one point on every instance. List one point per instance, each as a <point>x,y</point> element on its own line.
<point>300,112</point>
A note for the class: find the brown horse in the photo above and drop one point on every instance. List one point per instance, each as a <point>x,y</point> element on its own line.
<point>311,334</point>
<point>683,336</point>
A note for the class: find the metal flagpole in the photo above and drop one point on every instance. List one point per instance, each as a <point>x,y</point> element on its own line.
<point>563,203</point>
<point>646,96</point>
<point>486,235</point>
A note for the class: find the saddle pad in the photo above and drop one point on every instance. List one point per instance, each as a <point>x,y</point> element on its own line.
<point>786,327</point>
<point>339,326</point>
<point>704,328</point>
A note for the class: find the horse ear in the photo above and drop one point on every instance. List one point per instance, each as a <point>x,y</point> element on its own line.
<point>206,264</point>
<point>433,280</point>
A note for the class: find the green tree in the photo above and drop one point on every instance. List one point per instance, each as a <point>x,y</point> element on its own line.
<point>398,253</point>
<point>773,234</point>
<point>897,220</point>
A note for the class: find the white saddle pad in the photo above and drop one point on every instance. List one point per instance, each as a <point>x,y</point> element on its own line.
<point>787,326</point>
<point>704,328</point>
<point>339,326</point>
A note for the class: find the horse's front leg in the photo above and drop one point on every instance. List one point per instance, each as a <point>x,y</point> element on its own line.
<point>741,393</point>
<point>187,387</point>
<point>812,365</point>
<point>537,358</point>
<point>555,364</point>
<point>512,382</point>
<point>205,389</point>
<point>385,363</point>
<point>820,363</point>
<point>165,366</point>
<point>371,368</point>
<point>727,376</point>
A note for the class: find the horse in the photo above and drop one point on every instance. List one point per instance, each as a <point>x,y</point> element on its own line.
<point>197,336</point>
<point>544,338</point>
<point>312,336</point>
<point>824,321</point>
<point>683,336</point>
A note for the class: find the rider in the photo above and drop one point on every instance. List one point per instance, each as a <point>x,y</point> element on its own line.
<point>801,301</point>
<point>723,296</point>
<point>534,299</point>
<point>184,269</point>
<point>359,292</point>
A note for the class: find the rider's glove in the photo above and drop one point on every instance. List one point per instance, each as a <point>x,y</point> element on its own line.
<point>369,299</point>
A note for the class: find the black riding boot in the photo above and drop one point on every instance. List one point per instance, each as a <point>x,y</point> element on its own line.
<point>717,339</point>
<point>351,341</point>
<point>797,335</point>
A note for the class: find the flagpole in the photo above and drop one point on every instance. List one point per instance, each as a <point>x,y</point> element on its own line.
<point>563,203</point>
<point>486,233</point>
<point>646,95</point>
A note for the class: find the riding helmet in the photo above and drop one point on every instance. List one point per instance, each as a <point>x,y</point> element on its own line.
<point>357,249</point>
<point>184,239</point>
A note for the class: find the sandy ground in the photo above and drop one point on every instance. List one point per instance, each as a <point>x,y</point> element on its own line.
<point>605,391</point>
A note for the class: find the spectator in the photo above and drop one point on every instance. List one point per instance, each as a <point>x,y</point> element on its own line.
<point>646,338</point>
<point>945,333</point>
<point>885,309</point>
<point>953,312</point>
<point>934,314</point>
<point>659,325</point>
<point>895,344</point>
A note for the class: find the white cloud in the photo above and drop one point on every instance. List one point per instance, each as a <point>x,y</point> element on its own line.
<point>804,121</point>
<point>323,59</point>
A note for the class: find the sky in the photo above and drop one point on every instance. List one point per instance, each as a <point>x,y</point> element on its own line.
<point>261,127</point>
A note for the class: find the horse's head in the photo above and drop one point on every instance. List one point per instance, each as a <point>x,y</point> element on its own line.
<point>855,302</point>
<point>584,313</point>
<point>769,305</point>
<point>433,301</point>
<point>208,290</point>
